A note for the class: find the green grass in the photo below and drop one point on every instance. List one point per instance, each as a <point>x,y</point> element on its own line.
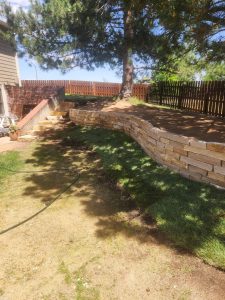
<point>191,214</point>
<point>9,161</point>
<point>65,271</point>
<point>84,288</point>
<point>136,101</point>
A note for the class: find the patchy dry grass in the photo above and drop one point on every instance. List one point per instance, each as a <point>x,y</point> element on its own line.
<point>93,243</point>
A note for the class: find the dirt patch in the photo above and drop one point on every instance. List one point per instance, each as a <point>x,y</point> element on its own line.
<point>91,244</point>
<point>7,145</point>
<point>211,129</point>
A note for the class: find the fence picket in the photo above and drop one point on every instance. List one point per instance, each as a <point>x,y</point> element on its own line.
<point>205,97</point>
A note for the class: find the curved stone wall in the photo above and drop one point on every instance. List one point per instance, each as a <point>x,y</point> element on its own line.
<point>194,159</point>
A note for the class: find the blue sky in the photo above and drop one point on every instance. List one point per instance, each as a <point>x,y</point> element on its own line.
<point>29,72</point>
<point>100,74</point>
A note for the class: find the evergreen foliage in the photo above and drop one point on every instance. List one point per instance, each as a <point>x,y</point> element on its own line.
<point>64,34</point>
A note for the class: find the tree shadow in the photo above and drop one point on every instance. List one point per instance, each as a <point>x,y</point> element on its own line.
<point>130,192</point>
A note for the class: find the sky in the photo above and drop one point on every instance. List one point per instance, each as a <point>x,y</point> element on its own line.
<point>34,72</point>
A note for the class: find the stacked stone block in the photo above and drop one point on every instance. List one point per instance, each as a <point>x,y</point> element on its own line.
<point>196,160</point>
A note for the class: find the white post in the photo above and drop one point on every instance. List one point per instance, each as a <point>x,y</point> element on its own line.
<point>18,70</point>
<point>4,100</point>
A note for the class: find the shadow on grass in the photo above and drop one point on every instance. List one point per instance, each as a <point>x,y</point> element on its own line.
<point>189,214</point>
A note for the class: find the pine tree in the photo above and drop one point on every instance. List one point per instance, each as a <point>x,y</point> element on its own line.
<point>131,34</point>
<point>201,23</point>
<point>65,34</point>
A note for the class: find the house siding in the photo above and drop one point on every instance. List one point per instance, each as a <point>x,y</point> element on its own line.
<point>8,64</point>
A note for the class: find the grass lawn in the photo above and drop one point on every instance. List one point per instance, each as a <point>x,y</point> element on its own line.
<point>93,242</point>
<point>191,214</point>
<point>9,160</point>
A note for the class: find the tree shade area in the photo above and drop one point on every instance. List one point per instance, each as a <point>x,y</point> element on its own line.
<point>131,36</point>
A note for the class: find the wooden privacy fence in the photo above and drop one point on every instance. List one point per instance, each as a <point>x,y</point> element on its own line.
<point>206,97</point>
<point>75,87</point>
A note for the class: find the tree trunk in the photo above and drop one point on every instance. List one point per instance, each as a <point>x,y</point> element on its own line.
<point>128,68</point>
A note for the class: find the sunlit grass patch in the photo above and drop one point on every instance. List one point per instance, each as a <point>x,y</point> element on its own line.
<point>9,161</point>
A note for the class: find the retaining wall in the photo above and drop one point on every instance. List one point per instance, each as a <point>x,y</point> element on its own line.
<point>197,160</point>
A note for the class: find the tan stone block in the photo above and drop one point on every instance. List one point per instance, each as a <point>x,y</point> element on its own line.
<point>127,128</point>
<point>152,141</point>
<point>176,138</point>
<point>161,156</point>
<point>173,155</point>
<point>160,145</point>
<point>197,170</point>
<point>213,154</point>
<point>217,177</point>
<point>219,170</point>
<point>196,163</point>
<point>206,180</point>
<point>204,158</point>
<point>180,151</point>
<point>168,147</point>
<point>177,145</point>
<point>171,166</point>
<point>195,177</point>
<point>153,133</point>
<point>178,148</point>
<point>160,150</point>
<point>215,182</point>
<point>164,141</point>
<point>217,147</point>
<point>181,165</point>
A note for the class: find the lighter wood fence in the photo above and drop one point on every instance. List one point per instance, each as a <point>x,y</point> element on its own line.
<point>75,87</point>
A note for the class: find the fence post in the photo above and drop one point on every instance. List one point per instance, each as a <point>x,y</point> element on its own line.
<point>93,88</point>
<point>206,103</point>
<point>180,98</point>
<point>147,93</point>
<point>160,93</point>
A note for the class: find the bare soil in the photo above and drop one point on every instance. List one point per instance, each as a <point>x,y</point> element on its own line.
<point>91,243</point>
<point>7,145</point>
<point>202,127</point>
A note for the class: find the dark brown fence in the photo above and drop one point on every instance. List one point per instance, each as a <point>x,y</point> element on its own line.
<point>76,87</point>
<point>198,96</point>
